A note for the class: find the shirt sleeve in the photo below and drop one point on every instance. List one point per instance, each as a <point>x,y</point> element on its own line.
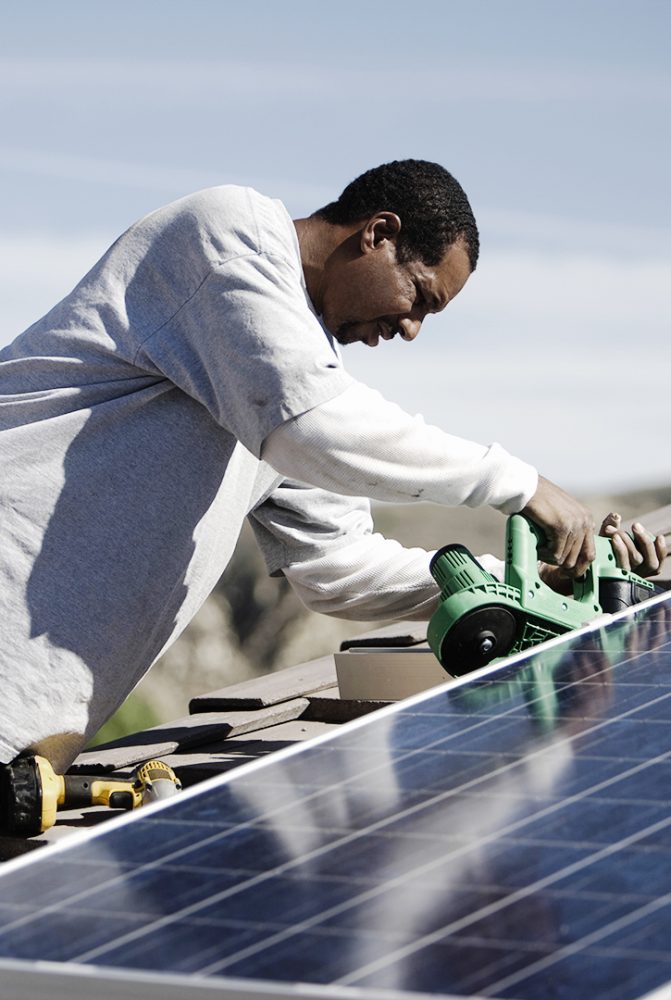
<point>360,444</point>
<point>327,548</point>
<point>247,345</point>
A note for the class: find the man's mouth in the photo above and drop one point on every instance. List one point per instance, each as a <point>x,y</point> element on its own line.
<point>384,331</point>
<point>381,330</point>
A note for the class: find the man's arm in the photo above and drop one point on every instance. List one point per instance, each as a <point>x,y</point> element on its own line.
<point>359,443</point>
<point>326,546</point>
<point>639,551</point>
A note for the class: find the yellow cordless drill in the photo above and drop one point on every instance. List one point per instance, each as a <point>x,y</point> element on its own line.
<point>31,792</point>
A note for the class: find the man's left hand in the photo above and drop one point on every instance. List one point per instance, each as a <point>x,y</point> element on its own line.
<point>639,551</point>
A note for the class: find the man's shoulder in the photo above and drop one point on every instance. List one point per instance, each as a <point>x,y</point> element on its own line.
<point>236,216</point>
<point>231,198</point>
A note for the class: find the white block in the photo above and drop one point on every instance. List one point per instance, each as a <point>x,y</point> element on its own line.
<point>387,673</point>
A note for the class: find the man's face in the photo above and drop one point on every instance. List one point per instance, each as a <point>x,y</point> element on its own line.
<point>371,297</point>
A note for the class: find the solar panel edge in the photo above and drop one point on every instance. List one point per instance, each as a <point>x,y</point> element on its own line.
<point>661,993</point>
<point>24,980</point>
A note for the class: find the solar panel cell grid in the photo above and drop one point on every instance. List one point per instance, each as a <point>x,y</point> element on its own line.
<point>510,837</point>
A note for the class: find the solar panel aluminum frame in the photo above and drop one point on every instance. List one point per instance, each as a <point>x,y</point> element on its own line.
<point>21,980</point>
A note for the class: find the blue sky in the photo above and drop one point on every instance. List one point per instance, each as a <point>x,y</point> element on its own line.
<point>554,117</point>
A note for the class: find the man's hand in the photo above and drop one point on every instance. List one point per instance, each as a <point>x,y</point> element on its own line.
<point>568,526</point>
<point>639,551</point>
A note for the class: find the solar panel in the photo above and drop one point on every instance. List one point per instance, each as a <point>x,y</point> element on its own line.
<point>508,835</point>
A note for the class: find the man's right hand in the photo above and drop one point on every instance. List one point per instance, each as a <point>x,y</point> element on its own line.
<point>568,525</point>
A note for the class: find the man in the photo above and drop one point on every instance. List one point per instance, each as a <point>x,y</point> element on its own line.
<point>193,378</point>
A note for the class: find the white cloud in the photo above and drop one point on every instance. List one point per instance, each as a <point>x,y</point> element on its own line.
<point>563,359</point>
<point>104,170</point>
<point>36,271</point>
<point>571,239</point>
<point>180,80</point>
<point>570,297</point>
<point>166,181</point>
<point>570,236</point>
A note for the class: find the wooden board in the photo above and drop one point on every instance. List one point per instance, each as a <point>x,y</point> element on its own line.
<point>328,706</point>
<point>181,735</point>
<point>218,758</point>
<point>657,521</point>
<point>270,689</point>
<point>396,634</point>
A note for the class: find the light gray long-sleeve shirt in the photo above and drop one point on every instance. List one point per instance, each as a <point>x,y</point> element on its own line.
<point>132,422</point>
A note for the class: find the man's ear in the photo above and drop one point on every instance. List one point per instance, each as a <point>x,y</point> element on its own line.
<point>380,227</point>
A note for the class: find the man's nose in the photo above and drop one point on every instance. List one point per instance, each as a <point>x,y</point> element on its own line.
<point>409,327</point>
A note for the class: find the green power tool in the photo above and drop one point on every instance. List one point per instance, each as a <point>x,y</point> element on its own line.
<point>480,619</point>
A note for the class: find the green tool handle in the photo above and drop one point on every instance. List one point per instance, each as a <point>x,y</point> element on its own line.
<point>523,539</point>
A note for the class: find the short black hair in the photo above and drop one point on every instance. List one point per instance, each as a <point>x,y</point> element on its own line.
<point>432,206</point>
